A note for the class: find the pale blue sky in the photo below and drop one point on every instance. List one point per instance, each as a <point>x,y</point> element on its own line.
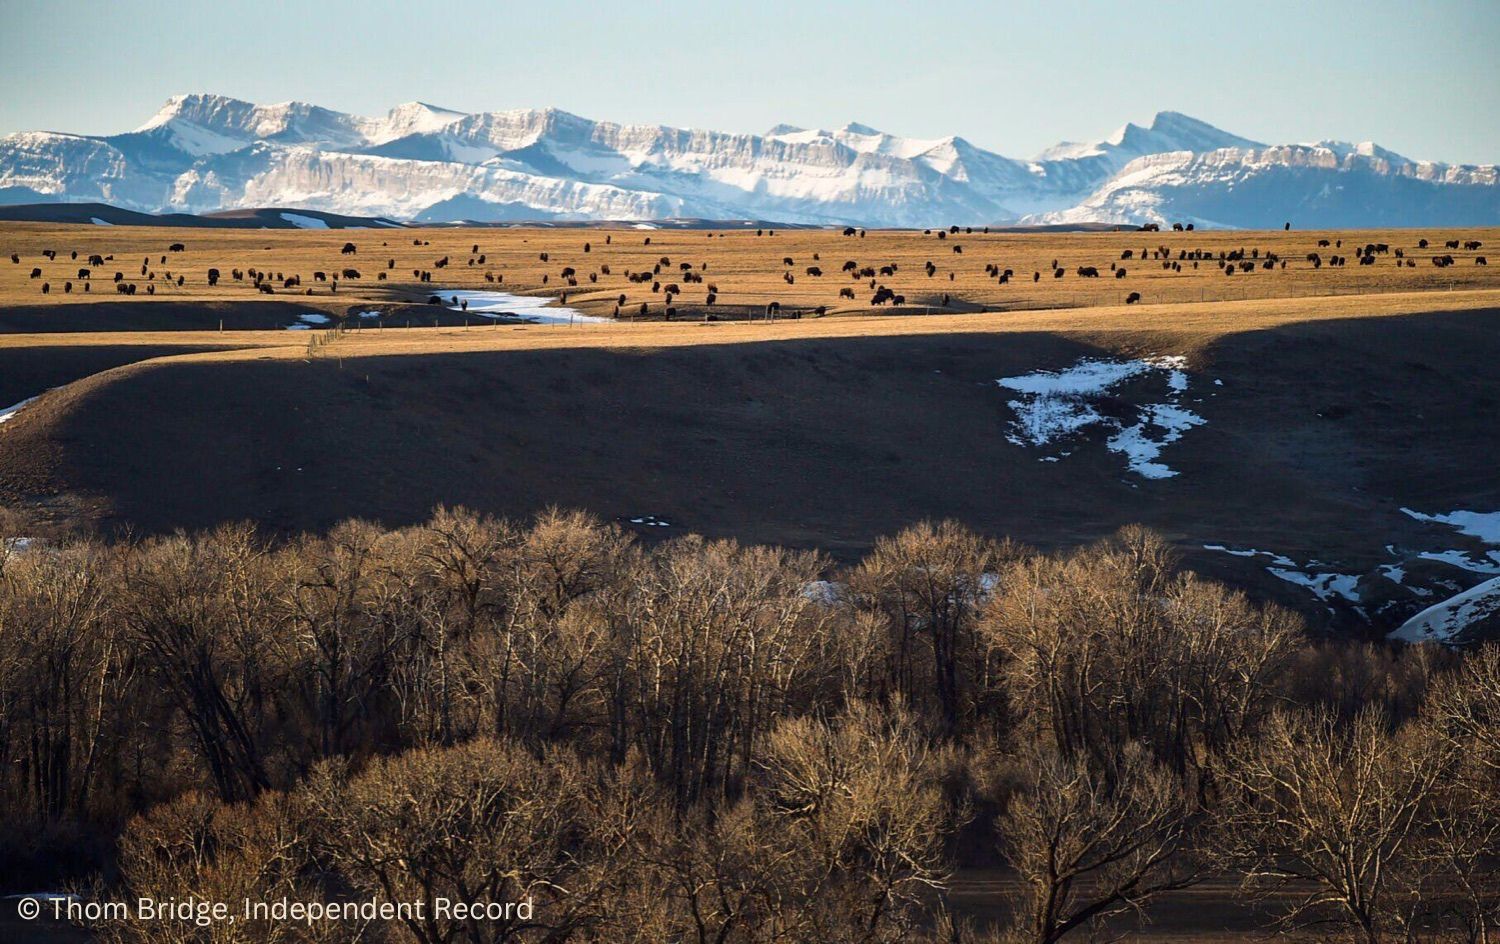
<point>1420,78</point>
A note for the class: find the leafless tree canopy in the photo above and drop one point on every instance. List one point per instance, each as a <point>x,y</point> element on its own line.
<point>699,741</point>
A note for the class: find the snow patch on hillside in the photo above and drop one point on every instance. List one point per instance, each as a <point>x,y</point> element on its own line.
<point>9,413</point>
<point>304,222</point>
<point>1482,525</point>
<point>1058,405</point>
<point>1442,621</point>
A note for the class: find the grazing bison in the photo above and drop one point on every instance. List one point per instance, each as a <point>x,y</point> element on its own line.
<point>349,249</point>
<point>351,273</point>
<point>83,273</point>
<point>176,247</point>
<point>1119,273</point>
<point>96,260</point>
<point>1480,260</point>
<point>213,277</point>
<point>1088,272</point>
<point>846,293</point>
<point>36,273</point>
<point>814,271</point>
<point>1132,298</point>
<point>46,287</point>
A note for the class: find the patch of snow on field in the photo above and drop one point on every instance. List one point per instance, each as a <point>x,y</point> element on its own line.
<point>304,222</point>
<point>1324,586</point>
<point>1141,450</point>
<point>9,413</point>
<point>1441,621</point>
<point>314,318</point>
<point>1477,524</point>
<point>1057,404</point>
<point>1488,564</point>
<point>502,304</point>
<point>1275,558</point>
<point>651,521</point>
<point>98,222</point>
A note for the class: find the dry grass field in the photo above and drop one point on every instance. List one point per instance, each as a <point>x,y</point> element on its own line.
<point>747,269</point>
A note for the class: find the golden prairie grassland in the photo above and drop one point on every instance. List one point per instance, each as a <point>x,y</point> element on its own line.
<point>749,271</point>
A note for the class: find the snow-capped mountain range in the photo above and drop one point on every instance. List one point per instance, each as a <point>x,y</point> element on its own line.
<point>204,153</point>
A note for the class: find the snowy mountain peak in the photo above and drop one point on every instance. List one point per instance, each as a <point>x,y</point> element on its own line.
<point>416,118</point>
<point>855,127</point>
<point>1345,150</point>
<point>1169,131</point>
<point>1174,131</point>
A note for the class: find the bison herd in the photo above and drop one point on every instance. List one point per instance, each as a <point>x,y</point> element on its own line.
<point>866,277</point>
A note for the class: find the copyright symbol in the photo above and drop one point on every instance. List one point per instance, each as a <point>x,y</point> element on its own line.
<point>28,909</point>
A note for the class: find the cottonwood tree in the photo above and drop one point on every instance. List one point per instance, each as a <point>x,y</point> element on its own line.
<point>1456,854</point>
<point>196,846</point>
<point>858,807</point>
<point>62,668</point>
<point>341,663</point>
<point>484,821</point>
<point>1338,808</point>
<point>199,612</point>
<point>542,655</point>
<point>1108,647</point>
<point>1091,842</point>
<point>721,644</point>
<point>930,584</point>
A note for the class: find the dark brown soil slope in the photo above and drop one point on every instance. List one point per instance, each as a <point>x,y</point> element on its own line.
<point>1317,436</point>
